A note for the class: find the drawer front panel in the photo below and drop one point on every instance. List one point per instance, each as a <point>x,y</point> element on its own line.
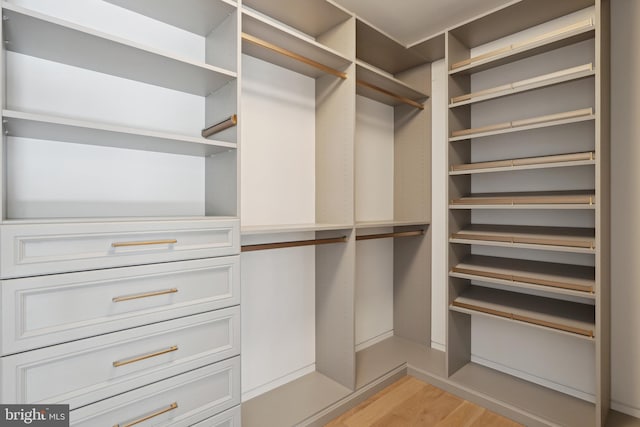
<point>176,401</point>
<point>229,418</point>
<point>82,372</point>
<point>47,310</point>
<point>37,249</point>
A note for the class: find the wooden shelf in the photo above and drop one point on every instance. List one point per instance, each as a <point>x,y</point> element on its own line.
<point>547,80</point>
<point>546,406</point>
<point>389,223</point>
<point>34,34</point>
<point>562,37</point>
<point>531,200</point>
<point>313,18</point>
<point>579,240</point>
<point>285,39</point>
<point>379,86</point>
<point>293,402</point>
<point>543,162</point>
<point>382,358</point>
<point>559,316</point>
<point>524,124</point>
<point>38,126</point>
<point>195,16</point>
<point>532,274</point>
<point>250,230</point>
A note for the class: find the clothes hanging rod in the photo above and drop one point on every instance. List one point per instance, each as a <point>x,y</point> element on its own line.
<point>387,235</point>
<point>293,244</point>
<point>391,94</point>
<point>265,44</point>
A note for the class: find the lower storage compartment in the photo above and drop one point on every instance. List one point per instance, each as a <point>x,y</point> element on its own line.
<point>179,401</point>
<point>86,371</point>
<point>229,418</point>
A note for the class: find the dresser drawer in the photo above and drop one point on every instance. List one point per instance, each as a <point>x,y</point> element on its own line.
<point>47,310</point>
<point>85,371</point>
<point>37,249</point>
<point>177,401</point>
<point>229,418</point>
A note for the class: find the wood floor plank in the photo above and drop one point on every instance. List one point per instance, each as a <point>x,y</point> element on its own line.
<point>410,402</point>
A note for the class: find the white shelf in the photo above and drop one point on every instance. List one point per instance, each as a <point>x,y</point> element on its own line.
<point>145,219</point>
<point>388,223</point>
<point>547,276</point>
<point>38,126</point>
<point>370,75</point>
<point>577,240</point>
<point>196,16</point>
<point>525,88</point>
<point>590,117</point>
<point>527,50</point>
<point>35,34</point>
<point>293,402</point>
<point>249,230</point>
<point>276,34</point>
<point>528,200</point>
<point>515,168</point>
<point>564,317</point>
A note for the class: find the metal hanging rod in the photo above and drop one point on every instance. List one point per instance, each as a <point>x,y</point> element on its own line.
<point>293,244</point>
<point>391,94</point>
<point>387,235</point>
<point>285,52</point>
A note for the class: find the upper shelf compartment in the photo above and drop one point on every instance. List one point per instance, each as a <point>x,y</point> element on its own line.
<point>35,34</point>
<point>275,43</point>
<point>376,85</point>
<point>196,16</point>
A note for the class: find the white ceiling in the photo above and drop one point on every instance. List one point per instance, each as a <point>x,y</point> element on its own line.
<point>410,21</point>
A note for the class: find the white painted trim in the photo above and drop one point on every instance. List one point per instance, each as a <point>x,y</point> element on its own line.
<point>534,379</point>
<point>374,340</point>
<point>256,391</point>
<point>625,409</point>
<point>438,346</point>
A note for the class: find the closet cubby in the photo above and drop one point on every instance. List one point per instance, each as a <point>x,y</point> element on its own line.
<point>148,98</point>
<point>527,152</point>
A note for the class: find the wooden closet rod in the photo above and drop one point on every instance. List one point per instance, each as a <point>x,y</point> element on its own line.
<point>288,53</point>
<point>387,235</point>
<point>391,94</point>
<point>280,245</point>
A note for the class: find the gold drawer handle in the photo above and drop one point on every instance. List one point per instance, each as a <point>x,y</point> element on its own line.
<point>144,243</point>
<point>145,295</point>
<point>171,407</point>
<point>146,356</point>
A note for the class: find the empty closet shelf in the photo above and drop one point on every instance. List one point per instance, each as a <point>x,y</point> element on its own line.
<point>509,235</point>
<point>382,87</point>
<point>556,119</point>
<point>575,318</point>
<point>545,80</point>
<point>581,199</point>
<point>541,162</point>
<point>517,271</point>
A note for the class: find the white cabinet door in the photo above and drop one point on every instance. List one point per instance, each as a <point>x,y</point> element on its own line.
<point>37,249</point>
<point>47,310</point>
<point>177,401</point>
<point>85,371</point>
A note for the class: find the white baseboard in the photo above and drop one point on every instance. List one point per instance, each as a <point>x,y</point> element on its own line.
<point>625,409</point>
<point>438,346</point>
<point>534,379</point>
<point>374,340</point>
<point>257,391</point>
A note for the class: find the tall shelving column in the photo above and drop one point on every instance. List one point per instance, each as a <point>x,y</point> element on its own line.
<point>298,68</point>
<point>528,204</point>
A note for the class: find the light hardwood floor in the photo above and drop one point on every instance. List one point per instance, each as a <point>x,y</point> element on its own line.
<point>411,402</point>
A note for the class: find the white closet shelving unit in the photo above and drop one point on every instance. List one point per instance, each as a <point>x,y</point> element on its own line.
<point>528,202</point>
<point>120,231</point>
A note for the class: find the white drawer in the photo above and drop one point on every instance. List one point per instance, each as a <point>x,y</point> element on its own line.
<point>176,401</point>
<point>37,249</point>
<point>85,371</point>
<point>229,418</point>
<point>47,310</point>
